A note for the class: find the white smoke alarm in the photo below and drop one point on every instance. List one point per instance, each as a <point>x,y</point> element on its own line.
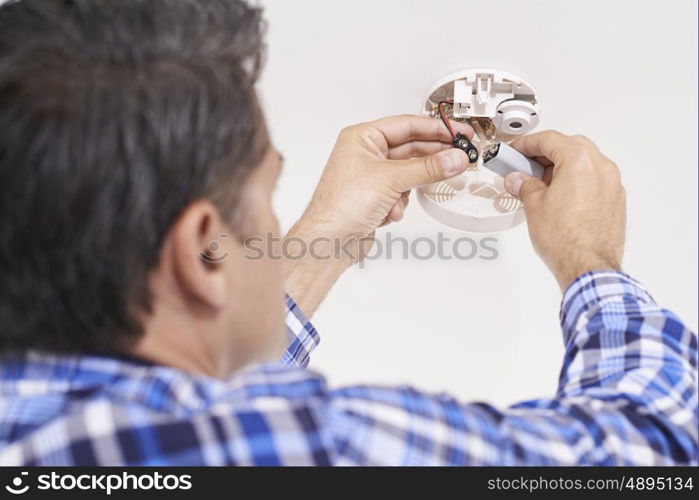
<point>499,106</point>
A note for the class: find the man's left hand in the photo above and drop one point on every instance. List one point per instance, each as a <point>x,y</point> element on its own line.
<point>366,184</point>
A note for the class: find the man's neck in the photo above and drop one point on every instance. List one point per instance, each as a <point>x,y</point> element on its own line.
<point>180,349</point>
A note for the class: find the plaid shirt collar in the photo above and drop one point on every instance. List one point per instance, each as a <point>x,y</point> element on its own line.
<point>160,388</point>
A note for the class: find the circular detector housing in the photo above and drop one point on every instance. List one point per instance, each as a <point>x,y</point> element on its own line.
<point>507,106</point>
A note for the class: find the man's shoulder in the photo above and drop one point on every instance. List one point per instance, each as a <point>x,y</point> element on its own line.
<point>155,415</point>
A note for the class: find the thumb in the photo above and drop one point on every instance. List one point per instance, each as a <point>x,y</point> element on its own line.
<point>523,186</point>
<point>429,169</point>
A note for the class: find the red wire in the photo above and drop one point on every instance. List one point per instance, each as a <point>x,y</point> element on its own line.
<point>444,117</point>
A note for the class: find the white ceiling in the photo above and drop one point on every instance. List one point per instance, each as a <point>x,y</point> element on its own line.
<point>624,73</point>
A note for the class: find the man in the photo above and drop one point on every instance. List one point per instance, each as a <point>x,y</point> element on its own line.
<point>131,138</point>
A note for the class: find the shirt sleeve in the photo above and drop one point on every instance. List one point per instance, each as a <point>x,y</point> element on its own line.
<point>301,335</point>
<point>627,396</point>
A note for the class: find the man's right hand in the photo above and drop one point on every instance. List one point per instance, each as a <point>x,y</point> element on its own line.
<point>577,215</point>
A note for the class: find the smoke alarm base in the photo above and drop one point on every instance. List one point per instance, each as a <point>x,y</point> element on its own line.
<point>475,201</point>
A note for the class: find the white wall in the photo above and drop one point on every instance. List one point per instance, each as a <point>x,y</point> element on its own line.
<point>623,73</point>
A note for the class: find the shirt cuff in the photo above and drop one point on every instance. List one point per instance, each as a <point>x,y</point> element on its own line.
<point>590,289</point>
<point>301,335</point>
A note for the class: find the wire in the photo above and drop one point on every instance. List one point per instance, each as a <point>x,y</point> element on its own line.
<point>458,140</point>
<point>444,118</point>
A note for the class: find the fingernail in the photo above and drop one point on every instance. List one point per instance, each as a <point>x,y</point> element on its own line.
<point>454,161</point>
<point>513,182</point>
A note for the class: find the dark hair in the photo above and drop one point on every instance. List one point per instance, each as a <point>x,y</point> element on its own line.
<point>114,116</point>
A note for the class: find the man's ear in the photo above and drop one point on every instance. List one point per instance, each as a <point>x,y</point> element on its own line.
<point>199,245</point>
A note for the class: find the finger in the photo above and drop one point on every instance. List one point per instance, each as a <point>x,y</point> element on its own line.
<point>417,148</point>
<point>548,175</point>
<point>542,160</point>
<point>404,197</point>
<point>396,213</point>
<point>406,128</point>
<point>407,174</point>
<point>525,187</point>
<point>398,210</point>
<point>549,144</point>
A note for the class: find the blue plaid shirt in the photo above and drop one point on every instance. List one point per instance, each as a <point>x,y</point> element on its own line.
<point>627,395</point>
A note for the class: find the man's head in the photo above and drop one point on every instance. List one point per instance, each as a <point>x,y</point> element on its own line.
<point>133,159</point>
